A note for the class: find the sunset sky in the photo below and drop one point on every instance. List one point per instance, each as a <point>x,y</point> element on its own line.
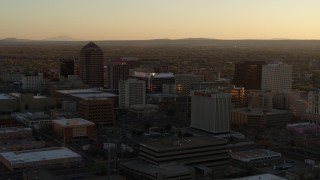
<point>155,19</point>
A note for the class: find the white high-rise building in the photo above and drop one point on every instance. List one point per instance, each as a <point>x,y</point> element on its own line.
<point>276,77</point>
<point>131,92</point>
<point>210,111</point>
<point>185,83</point>
<point>32,82</point>
<point>314,102</point>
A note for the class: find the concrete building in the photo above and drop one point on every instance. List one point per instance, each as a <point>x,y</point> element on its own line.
<point>75,129</point>
<point>255,155</point>
<point>314,102</point>
<point>37,158</point>
<point>32,82</point>
<point>185,83</point>
<point>118,70</point>
<point>192,151</point>
<point>210,111</point>
<point>99,111</point>
<point>132,92</point>
<point>141,170</point>
<point>15,132</point>
<point>8,103</point>
<point>22,143</point>
<point>263,117</point>
<point>30,102</point>
<point>91,65</point>
<point>32,119</point>
<point>65,85</point>
<point>11,76</point>
<point>276,77</point>
<point>154,81</point>
<point>248,74</point>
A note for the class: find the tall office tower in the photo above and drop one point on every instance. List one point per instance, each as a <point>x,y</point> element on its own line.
<point>67,67</point>
<point>91,65</point>
<point>117,70</point>
<point>248,74</point>
<point>314,102</point>
<point>276,77</point>
<point>155,81</point>
<point>238,98</point>
<point>210,111</point>
<point>131,92</point>
<point>185,83</point>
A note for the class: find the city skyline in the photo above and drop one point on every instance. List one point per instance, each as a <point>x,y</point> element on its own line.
<point>142,19</point>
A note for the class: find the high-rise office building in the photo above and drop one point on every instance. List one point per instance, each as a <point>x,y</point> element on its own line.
<point>314,102</point>
<point>66,67</point>
<point>117,70</point>
<point>210,111</point>
<point>185,83</point>
<point>91,65</point>
<point>131,92</point>
<point>276,77</point>
<point>248,74</point>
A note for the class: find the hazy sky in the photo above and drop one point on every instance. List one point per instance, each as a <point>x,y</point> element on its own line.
<point>153,19</point>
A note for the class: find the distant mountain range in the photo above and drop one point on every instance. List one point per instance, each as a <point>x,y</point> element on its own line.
<point>245,43</point>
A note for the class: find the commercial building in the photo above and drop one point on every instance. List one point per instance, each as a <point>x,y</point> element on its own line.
<point>21,143</point>
<point>263,117</point>
<point>210,111</point>
<point>276,77</point>
<point>30,102</point>
<point>99,111</point>
<point>8,103</point>
<point>155,81</point>
<point>91,65</point>
<point>36,158</point>
<point>15,132</point>
<point>32,119</point>
<point>248,74</point>
<point>192,151</point>
<point>255,155</point>
<point>118,70</point>
<point>7,120</point>
<point>32,82</point>
<point>238,98</point>
<point>74,129</point>
<point>142,170</point>
<point>67,67</point>
<point>314,101</point>
<point>65,85</point>
<point>132,92</point>
<point>185,83</point>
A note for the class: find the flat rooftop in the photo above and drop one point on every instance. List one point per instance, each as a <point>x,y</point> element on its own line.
<point>170,169</point>
<point>79,91</point>
<point>165,144</point>
<point>35,155</point>
<point>38,116</point>
<point>261,177</point>
<point>253,154</point>
<point>73,122</point>
<point>6,96</point>
<point>14,129</point>
<point>100,95</point>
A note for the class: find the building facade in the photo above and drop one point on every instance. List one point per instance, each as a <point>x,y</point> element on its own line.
<point>99,111</point>
<point>276,77</point>
<point>185,83</point>
<point>132,92</point>
<point>91,65</point>
<point>210,111</point>
<point>248,74</point>
<point>118,70</point>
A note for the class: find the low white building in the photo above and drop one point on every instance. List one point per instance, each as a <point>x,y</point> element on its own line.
<point>255,155</point>
<point>35,158</point>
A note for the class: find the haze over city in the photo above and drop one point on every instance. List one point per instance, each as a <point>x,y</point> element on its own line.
<point>145,19</point>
